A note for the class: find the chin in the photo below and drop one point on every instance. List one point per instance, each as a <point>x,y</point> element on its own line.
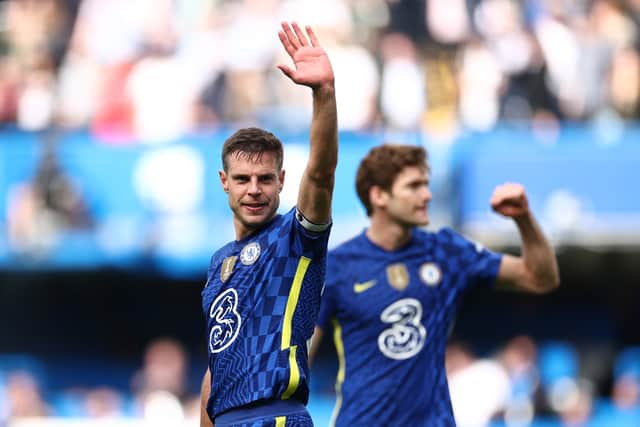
<point>422,222</point>
<point>415,222</point>
<point>257,221</point>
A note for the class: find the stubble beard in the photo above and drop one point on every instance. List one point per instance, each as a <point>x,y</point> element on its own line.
<point>255,225</point>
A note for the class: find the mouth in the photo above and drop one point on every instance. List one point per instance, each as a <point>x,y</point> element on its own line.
<point>254,208</point>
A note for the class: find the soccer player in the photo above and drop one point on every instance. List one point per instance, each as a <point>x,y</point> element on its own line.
<point>262,294</point>
<point>392,292</point>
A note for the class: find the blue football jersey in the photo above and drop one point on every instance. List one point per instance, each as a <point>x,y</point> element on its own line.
<point>261,303</point>
<point>391,312</point>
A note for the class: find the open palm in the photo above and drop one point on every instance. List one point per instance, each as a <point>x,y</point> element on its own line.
<point>311,64</point>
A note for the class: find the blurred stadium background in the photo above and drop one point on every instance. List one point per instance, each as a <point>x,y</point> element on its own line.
<point>112,115</point>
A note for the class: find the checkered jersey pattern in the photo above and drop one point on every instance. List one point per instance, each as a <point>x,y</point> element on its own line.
<point>249,359</point>
<point>391,312</point>
<point>295,420</point>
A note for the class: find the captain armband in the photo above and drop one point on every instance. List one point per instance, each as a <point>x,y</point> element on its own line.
<point>310,226</point>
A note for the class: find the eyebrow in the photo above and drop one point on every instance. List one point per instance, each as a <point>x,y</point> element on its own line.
<point>247,175</point>
<point>419,181</point>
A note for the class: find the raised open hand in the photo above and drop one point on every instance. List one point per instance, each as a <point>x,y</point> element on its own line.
<point>311,64</point>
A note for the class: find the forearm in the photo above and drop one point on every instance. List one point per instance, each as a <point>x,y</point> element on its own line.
<point>205,390</point>
<point>316,186</point>
<point>323,149</point>
<point>538,255</point>
<point>316,339</point>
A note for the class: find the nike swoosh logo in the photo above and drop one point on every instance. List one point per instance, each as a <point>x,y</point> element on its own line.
<point>361,287</point>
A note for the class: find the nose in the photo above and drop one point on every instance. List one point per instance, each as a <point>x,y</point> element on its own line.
<point>254,187</point>
<point>427,193</point>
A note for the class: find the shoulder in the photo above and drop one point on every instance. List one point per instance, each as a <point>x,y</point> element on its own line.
<point>425,239</point>
<point>220,253</point>
<point>444,243</point>
<point>277,229</point>
<point>288,216</point>
<point>281,221</point>
<point>449,236</point>
<point>346,259</point>
<point>454,244</point>
<point>353,246</point>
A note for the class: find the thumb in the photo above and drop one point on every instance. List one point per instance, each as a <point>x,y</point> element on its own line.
<point>286,70</point>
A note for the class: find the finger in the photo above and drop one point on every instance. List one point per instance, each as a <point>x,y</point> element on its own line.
<point>291,50</point>
<point>301,37</point>
<point>496,199</point>
<point>513,188</point>
<point>506,203</point>
<point>511,211</point>
<point>312,37</point>
<point>293,39</point>
<point>287,71</point>
<point>508,195</point>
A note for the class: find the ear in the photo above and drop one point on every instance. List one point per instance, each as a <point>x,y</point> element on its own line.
<point>378,197</point>
<point>281,180</point>
<point>224,180</point>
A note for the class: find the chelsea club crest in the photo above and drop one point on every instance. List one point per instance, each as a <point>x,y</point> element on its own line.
<point>430,274</point>
<point>250,253</point>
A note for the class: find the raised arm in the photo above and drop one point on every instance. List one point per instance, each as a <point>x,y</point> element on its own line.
<point>205,389</point>
<point>536,270</point>
<point>312,68</point>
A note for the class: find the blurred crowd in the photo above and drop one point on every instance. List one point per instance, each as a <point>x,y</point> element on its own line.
<point>42,207</point>
<point>153,70</point>
<point>523,383</point>
<point>158,391</point>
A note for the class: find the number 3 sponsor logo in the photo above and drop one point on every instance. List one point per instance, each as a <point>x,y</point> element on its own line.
<point>406,336</point>
<point>226,321</point>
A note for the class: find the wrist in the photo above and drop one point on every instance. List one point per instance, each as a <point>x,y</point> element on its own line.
<point>324,90</point>
<point>523,219</point>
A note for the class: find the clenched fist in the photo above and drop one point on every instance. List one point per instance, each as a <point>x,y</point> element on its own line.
<point>510,200</point>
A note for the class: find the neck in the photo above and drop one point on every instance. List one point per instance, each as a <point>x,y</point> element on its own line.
<point>241,230</point>
<point>244,229</point>
<point>387,234</point>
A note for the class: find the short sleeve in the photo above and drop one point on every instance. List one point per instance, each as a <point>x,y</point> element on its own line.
<point>479,263</point>
<point>310,242</point>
